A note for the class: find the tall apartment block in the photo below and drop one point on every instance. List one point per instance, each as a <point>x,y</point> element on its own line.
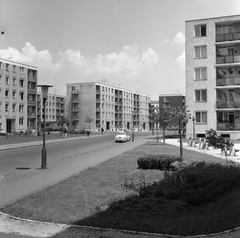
<point>213,75</point>
<point>18,92</point>
<point>110,107</point>
<point>55,109</point>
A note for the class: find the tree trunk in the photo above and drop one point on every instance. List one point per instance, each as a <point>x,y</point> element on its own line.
<point>157,133</point>
<point>180,138</point>
<point>164,134</point>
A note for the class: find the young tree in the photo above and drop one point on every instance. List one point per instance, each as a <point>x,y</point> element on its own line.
<point>61,121</point>
<point>183,116</point>
<point>165,114</point>
<point>89,121</point>
<point>153,120</point>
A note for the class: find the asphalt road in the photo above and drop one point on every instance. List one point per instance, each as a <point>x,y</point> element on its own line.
<point>17,160</point>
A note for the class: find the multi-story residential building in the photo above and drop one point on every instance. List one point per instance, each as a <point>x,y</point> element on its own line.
<point>55,109</point>
<point>213,75</point>
<point>18,91</point>
<point>110,107</point>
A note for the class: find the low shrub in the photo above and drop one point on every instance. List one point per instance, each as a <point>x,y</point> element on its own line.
<point>196,184</point>
<point>160,162</point>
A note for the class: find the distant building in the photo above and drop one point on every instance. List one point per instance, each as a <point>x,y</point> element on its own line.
<point>55,109</point>
<point>213,75</point>
<point>18,92</point>
<point>110,107</point>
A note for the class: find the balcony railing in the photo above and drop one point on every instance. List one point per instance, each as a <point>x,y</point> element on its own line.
<point>228,126</point>
<point>32,78</point>
<point>227,59</point>
<point>228,37</point>
<point>228,104</point>
<point>34,103</point>
<point>228,81</point>
<point>31,114</point>
<point>32,90</point>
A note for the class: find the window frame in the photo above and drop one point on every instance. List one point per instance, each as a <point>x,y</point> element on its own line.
<point>200,95</point>
<point>200,31</point>
<point>200,51</point>
<point>201,117</point>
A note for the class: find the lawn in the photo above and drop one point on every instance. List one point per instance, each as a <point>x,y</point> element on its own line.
<point>98,197</point>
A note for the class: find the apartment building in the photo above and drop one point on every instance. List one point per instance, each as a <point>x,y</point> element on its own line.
<point>213,75</point>
<point>55,109</point>
<point>108,106</point>
<point>18,91</point>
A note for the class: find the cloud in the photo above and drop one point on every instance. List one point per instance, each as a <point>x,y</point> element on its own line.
<point>181,60</point>
<point>71,65</point>
<point>179,38</point>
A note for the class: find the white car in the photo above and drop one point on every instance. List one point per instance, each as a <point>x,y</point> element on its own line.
<point>122,137</point>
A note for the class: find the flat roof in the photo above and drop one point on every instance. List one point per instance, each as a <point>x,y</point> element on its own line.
<point>17,63</point>
<point>209,18</point>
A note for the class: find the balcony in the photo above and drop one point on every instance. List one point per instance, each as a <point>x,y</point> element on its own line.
<point>76,92</point>
<point>228,37</point>
<point>230,81</point>
<point>74,100</point>
<point>98,91</point>
<point>74,109</point>
<point>32,78</point>
<point>32,90</point>
<point>226,59</point>
<point>228,126</point>
<point>31,115</point>
<point>228,104</point>
<point>33,103</point>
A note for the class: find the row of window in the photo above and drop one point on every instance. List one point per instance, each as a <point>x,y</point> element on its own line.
<point>14,67</point>
<point>20,108</point>
<point>14,81</point>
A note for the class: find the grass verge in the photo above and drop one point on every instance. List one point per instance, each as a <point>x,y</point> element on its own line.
<point>89,198</point>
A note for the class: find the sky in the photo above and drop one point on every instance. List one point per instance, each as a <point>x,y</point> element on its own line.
<point>137,45</point>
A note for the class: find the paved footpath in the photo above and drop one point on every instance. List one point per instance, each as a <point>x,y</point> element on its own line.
<point>30,182</point>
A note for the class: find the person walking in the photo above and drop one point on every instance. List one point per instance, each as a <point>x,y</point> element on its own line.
<point>102,130</point>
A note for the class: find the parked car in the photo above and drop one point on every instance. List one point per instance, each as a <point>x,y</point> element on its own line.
<point>122,136</point>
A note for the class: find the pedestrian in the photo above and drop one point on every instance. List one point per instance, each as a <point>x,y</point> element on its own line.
<point>102,130</point>
<point>66,132</point>
<point>88,132</point>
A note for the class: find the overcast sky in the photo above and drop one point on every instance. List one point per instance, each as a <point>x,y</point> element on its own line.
<point>134,44</point>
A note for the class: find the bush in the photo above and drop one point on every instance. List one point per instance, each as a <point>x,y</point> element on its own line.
<point>160,162</point>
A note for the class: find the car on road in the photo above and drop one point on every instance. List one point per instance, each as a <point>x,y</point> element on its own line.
<point>122,136</point>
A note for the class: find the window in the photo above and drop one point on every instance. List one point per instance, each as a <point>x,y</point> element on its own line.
<point>0,65</point>
<point>201,117</point>
<point>20,121</point>
<point>200,30</point>
<point>21,83</point>
<point>6,93</point>
<point>20,108</point>
<point>7,67</point>
<point>14,107</point>
<point>14,67</point>
<point>200,73</point>
<point>201,95</point>
<point>13,94</point>
<point>6,107</point>
<point>21,70</point>
<point>0,79</point>
<point>200,51</point>
<point>21,95</point>
<point>7,80</point>
<point>14,81</point>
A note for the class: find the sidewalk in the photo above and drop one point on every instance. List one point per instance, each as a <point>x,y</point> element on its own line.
<point>32,181</point>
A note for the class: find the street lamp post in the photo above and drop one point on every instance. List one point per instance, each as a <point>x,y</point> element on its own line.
<point>133,113</point>
<point>44,88</point>
<point>193,120</point>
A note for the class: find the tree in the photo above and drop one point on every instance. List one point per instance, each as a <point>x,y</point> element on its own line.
<point>218,142</point>
<point>183,116</point>
<point>89,121</point>
<point>61,121</point>
<point>165,114</point>
<point>153,120</point>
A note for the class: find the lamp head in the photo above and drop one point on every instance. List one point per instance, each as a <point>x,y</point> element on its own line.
<point>44,88</point>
